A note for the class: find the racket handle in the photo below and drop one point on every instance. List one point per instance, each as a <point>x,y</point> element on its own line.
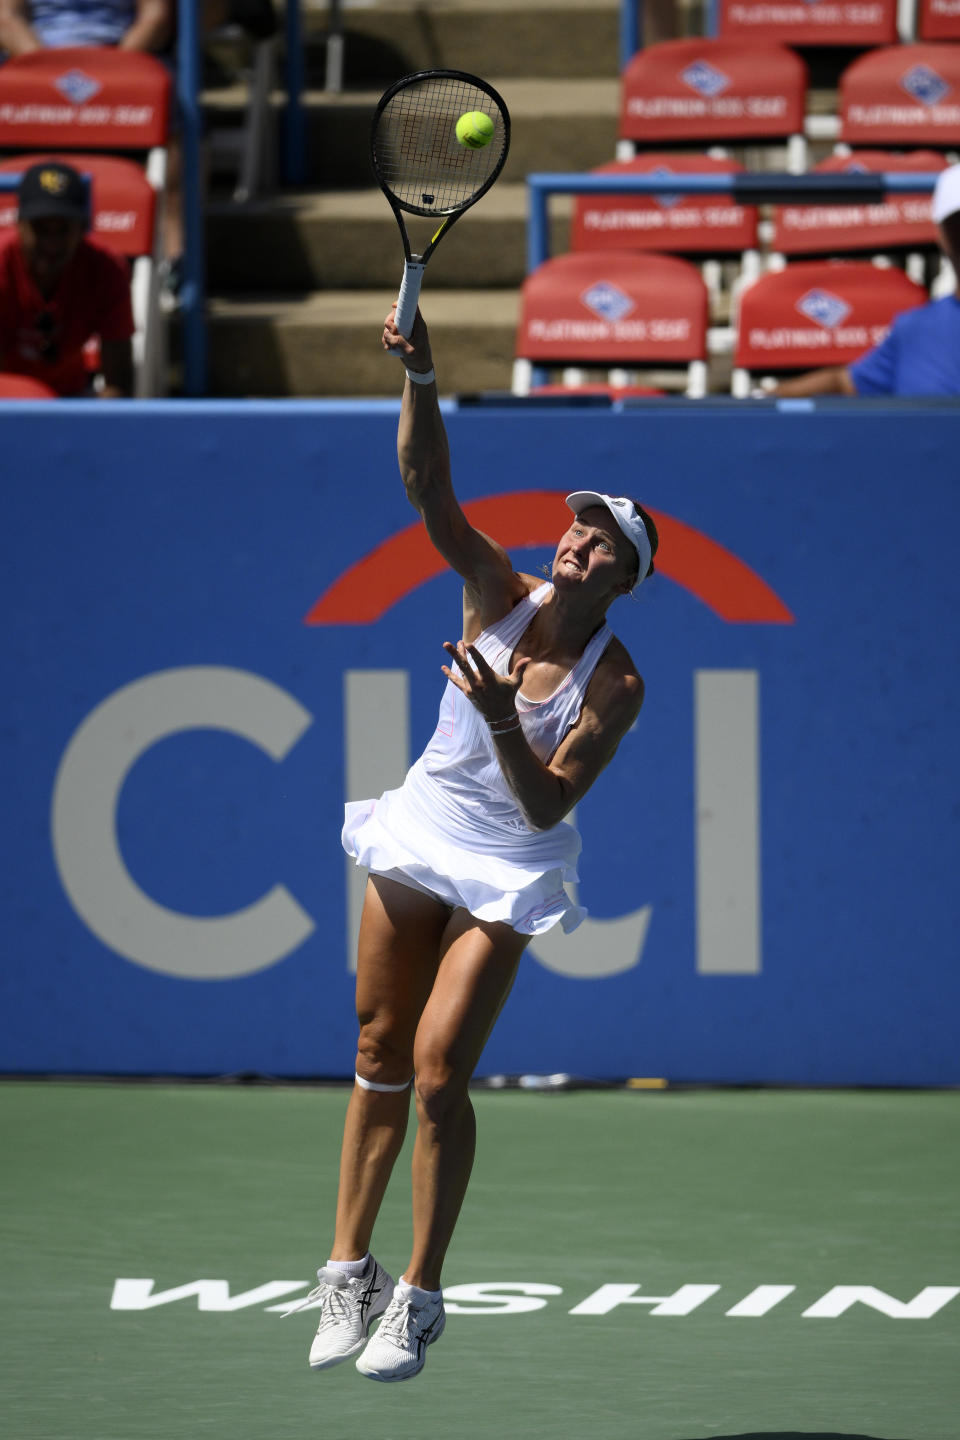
<point>409,295</point>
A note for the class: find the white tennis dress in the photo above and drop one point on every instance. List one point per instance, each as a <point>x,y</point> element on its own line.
<point>454,827</point>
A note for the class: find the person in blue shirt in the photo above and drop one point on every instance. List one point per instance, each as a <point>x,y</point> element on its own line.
<point>920,355</point>
<point>129,24</point>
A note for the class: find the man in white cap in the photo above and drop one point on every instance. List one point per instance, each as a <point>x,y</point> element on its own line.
<point>920,355</point>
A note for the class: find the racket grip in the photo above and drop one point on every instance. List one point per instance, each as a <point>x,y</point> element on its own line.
<point>409,295</point>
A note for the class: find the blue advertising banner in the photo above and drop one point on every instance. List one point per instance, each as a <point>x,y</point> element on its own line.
<point>222,621</point>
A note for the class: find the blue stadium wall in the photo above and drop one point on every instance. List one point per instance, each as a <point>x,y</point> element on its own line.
<point>770,863</point>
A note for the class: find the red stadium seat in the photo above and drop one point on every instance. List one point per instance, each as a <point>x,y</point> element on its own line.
<point>701,91</point>
<point>23,387</point>
<point>900,222</point>
<point>93,98</point>
<point>814,313</point>
<point>615,392</point>
<point>938,19</point>
<point>123,202</point>
<point>614,309</point>
<point>811,22</point>
<point>684,224</point>
<point>902,95</point>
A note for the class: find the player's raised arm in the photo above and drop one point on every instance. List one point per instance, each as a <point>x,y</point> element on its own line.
<point>424,456</point>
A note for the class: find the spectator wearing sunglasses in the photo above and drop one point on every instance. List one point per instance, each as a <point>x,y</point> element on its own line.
<point>59,290</point>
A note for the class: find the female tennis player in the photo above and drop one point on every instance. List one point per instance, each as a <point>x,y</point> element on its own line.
<point>467,860</point>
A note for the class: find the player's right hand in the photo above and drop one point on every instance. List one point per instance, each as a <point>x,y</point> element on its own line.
<point>414,352</point>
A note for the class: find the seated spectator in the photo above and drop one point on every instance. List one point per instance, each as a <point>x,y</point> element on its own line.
<point>148,25</point>
<point>129,24</point>
<point>27,25</point>
<point>920,355</point>
<point>59,289</point>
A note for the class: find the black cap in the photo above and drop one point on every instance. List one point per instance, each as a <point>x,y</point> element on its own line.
<point>51,188</point>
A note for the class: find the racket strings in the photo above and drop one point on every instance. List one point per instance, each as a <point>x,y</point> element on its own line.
<point>416,151</point>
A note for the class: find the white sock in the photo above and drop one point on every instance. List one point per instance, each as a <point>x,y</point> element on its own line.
<point>415,1295</point>
<point>350,1267</point>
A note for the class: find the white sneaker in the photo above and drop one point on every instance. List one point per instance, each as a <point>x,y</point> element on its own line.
<point>350,1304</point>
<point>399,1348</point>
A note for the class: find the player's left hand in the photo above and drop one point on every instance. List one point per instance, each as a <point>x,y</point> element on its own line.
<point>495,696</point>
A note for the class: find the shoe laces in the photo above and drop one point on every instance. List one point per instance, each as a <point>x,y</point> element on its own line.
<point>334,1304</point>
<point>399,1320</point>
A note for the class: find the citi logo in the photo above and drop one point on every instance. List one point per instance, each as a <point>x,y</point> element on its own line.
<point>128,723</point>
<point>517,1297</point>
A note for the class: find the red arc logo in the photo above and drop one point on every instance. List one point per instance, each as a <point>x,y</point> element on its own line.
<point>722,581</point>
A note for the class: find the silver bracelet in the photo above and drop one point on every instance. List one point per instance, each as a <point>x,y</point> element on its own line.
<point>422,377</point>
<point>504,726</point>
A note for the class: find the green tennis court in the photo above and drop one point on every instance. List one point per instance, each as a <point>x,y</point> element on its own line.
<point>573,1194</point>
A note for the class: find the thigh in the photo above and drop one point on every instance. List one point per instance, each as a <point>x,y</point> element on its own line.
<point>398,951</point>
<point>478,966</point>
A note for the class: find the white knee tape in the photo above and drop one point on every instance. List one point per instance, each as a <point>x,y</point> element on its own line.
<point>386,1089</point>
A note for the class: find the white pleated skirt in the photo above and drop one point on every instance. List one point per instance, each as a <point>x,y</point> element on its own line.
<point>518,878</point>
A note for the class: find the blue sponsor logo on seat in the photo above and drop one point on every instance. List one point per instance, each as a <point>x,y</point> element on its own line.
<point>705,79</point>
<point>608,301</point>
<point>823,308</point>
<point>663,197</point>
<point>77,86</point>
<point>922,83</point>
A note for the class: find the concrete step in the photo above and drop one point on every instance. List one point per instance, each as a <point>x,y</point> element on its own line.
<point>556,125</point>
<point>329,343</point>
<point>348,239</point>
<point>547,38</point>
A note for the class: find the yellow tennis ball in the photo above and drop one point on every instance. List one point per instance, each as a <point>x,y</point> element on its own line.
<point>475,130</point>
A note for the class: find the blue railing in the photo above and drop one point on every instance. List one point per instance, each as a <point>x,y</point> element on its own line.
<point>193,291</point>
<point>294,165</point>
<point>746,188</point>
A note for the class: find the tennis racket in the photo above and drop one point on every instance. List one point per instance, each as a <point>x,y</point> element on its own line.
<point>423,169</point>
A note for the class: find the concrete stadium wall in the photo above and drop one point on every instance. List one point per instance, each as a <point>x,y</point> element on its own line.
<point>216,628</point>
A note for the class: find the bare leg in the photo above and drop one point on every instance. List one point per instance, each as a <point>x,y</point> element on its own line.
<point>474,979</point>
<point>397,957</point>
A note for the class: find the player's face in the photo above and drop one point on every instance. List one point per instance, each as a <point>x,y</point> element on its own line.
<point>594,553</point>
<point>49,243</point>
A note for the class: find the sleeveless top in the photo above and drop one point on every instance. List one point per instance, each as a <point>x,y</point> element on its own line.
<point>454,827</point>
<point>461,755</point>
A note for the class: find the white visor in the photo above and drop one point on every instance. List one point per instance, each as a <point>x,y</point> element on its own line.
<point>946,196</point>
<point>625,514</point>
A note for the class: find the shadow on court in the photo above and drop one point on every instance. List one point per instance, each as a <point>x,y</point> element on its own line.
<point>797,1435</point>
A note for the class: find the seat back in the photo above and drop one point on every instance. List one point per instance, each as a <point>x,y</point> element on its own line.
<point>899,222</point>
<point>84,98</point>
<point>938,19</point>
<point>691,224</point>
<point>611,391</point>
<point>23,387</point>
<point>122,200</point>
<point>902,95</point>
<point>812,22</point>
<point>704,90</point>
<point>615,308</point>
<point>817,313</point>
